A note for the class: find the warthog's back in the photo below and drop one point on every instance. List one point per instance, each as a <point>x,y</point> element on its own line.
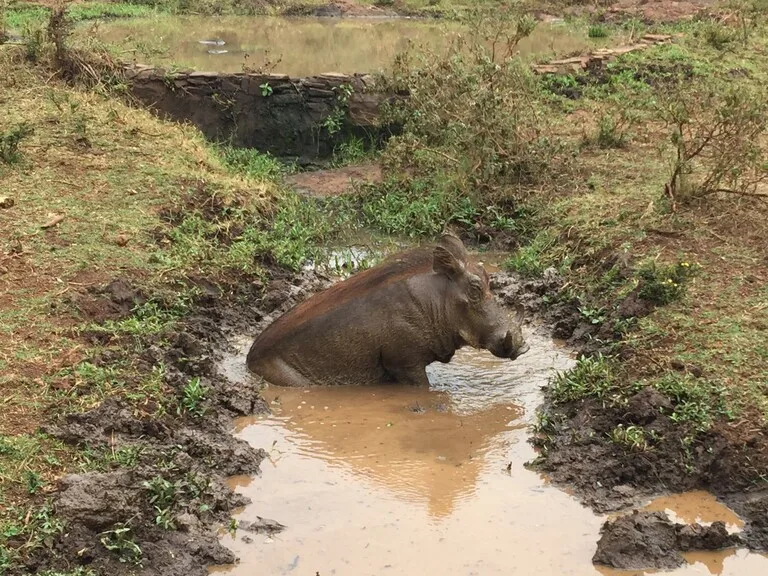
<point>394,269</point>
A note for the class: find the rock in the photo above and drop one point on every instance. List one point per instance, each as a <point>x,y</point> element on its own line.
<point>695,370</point>
<point>261,526</point>
<point>6,202</point>
<point>676,364</point>
<point>98,500</point>
<point>649,540</point>
<point>187,522</point>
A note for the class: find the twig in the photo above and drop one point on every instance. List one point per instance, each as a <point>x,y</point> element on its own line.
<point>443,154</point>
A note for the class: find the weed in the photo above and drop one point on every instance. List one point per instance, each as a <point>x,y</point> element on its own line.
<point>612,131</point>
<point>162,492</point>
<point>33,481</point>
<point>10,140</point>
<point>631,437</point>
<point>266,89</point>
<point>531,260</point>
<point>351,151</point>
<point>719,36</point>
<point>193,396</point>
<point>697,402</point>
<point>590,377</point>
<point>593,315</point>
<point>164,518</point>
<point>120,540</point>
<point>598,31</point>
<point>252,163</point>
<point>664,284</point>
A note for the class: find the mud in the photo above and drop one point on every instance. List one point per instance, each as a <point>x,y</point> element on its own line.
<point>194,455</point>
<point>649,540</point>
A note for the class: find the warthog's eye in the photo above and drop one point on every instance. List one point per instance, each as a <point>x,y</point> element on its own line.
<point>475,292</point>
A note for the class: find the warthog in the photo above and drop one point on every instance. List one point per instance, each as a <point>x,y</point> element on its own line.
<point>386,324</point>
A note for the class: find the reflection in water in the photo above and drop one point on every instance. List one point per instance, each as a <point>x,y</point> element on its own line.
<point>408,481</point>
<point>304,46</point>
<point>696,506</point>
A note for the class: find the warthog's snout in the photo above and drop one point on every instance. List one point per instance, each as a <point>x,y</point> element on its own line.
<point>511,346</point>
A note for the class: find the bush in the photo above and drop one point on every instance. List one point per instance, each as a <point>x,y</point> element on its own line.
<point>664,284</point>
<point>472,122</point>
<point>10,140</point>
<point>718,133</point>
<point>598,31</point>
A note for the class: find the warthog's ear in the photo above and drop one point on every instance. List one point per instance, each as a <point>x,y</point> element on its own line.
<point>444,262</point>
<point>454,245</point>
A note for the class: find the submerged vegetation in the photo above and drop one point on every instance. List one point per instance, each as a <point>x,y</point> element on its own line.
<point>641,183</point>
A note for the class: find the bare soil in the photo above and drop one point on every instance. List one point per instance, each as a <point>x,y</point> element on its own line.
<point>335,181</point>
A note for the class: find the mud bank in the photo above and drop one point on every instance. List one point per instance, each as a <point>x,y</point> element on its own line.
<point>574,438</point>
<point>157,508</point>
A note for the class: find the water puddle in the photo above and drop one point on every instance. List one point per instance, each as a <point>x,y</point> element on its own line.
<point>303,46</point>
<point>411,481</point>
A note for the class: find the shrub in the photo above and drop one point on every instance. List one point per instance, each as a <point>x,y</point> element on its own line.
<point>664,284</point>
<point>10,140</point>
<point>717,130</point>
<point>472,122</point>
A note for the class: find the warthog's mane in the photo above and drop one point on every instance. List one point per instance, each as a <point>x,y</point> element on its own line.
<point>394,269</point>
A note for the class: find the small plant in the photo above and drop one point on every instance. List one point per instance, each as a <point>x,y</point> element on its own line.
<point>119,539</point>
<point>598,31</point>
<point>192,397</point>
<point>334,121</point>
<point>350,151</point>
<point>719,36</point>
<point>266,89</point>
<point>10,140</point>
<point>664,284</point>
<point>164,518</point>
<point>162,492</point>
<point>33,481</point>
<point>612,131</point>
<point>696,401</point>
<point>593,315</point>
<point>532,259</point>
<point>250,162</point>
<point>631,437</point>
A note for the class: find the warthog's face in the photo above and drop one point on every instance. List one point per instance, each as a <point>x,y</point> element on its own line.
<point>473,313</point>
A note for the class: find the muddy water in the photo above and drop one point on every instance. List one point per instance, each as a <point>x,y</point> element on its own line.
<point>304,46</point>
<point>408,481</point>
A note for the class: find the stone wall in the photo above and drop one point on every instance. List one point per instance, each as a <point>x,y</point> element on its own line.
<point>287,117</point>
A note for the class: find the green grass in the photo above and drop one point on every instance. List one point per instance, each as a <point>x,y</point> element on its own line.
<point>22,16</point>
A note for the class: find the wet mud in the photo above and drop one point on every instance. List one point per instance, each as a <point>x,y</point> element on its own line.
<point>650,540</point>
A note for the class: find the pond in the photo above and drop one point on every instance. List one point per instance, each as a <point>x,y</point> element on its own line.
<point>300,46</point>
<point>409,481</point>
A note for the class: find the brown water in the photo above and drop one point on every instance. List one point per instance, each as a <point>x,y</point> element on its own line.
<point>304,46</point>
<point>412,482</point>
